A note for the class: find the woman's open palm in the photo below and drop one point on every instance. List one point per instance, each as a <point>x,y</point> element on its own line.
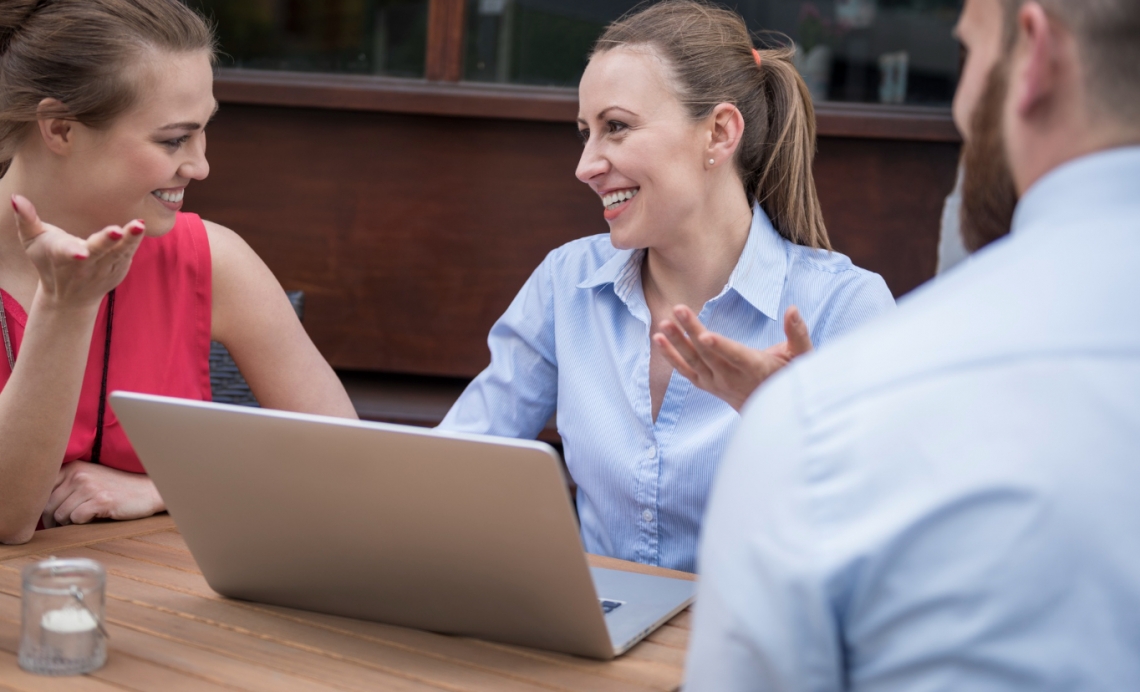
<point>74,271</point>
<point>723,367</point>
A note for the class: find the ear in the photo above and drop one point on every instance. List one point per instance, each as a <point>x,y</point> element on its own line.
<point>726,130</point>
<point>1035,79</point>
<point>58,134</point>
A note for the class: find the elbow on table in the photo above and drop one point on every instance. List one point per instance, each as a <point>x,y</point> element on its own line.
<point>16,533</point>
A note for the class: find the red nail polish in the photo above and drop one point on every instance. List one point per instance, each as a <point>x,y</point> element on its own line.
<point>115,235</point>
<point>139,228</point>
<point>80,257</point>
<point>14,205</point>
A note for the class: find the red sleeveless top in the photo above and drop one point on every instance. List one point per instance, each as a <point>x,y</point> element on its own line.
<point>160,341</point>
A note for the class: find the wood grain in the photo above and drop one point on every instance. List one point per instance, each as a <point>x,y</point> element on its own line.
<point>170,631</point>
<point>64,537</point>
<point>444,60</point>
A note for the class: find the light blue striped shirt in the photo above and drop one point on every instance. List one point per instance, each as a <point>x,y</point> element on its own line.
<point>950,501</point>
<point>576,338</point>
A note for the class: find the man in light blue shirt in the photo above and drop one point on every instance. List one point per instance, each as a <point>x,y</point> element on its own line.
<point>950,499</point>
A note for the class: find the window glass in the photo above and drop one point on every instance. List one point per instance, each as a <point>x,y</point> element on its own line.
<point>878,51</point>
<point>386,37</point>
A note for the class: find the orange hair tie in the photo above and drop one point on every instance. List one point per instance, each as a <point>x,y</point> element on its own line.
<point>756,57</point>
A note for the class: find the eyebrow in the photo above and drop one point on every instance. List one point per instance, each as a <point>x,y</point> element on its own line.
<point>190,125</point>
<point>602,113</point>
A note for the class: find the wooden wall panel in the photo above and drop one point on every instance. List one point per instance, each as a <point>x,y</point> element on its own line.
<point>410,234</point>
<point>882,202</point>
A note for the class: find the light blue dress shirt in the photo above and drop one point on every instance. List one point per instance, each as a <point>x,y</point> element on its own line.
<point>576,338</point>
<point>950,500</point>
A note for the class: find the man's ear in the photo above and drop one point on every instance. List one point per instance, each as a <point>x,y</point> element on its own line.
<point>727,130</point>
<point>57,132</point>
<point>1035,80</point>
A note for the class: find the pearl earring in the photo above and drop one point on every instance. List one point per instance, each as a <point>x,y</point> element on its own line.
<point>712,161</point>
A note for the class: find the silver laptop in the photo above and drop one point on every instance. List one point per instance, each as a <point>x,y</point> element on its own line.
<point>461,534</point>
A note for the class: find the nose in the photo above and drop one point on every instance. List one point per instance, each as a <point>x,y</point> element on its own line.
<point>592,164</point>
<point>196,167</point>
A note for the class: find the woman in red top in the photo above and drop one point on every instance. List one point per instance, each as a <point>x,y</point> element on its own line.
<point>105,283</point>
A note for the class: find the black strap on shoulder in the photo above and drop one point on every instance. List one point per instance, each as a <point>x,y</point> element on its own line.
<point>97,449</point>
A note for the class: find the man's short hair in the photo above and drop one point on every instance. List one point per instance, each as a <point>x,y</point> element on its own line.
<point>1108,38</point>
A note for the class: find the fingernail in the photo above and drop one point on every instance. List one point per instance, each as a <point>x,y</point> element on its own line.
<point>139,227</point>
<point>80,257</point>
<point>115,235</point>
<point>14,205</point>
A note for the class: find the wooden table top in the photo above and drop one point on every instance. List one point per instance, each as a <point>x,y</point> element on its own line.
<point>170,631</point>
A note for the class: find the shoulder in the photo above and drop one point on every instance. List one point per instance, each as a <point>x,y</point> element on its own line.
<point>1002,305</point>
<point>222,238</point>
<point>831,271</point>
<point>228,250</point>
<point>834,294</point>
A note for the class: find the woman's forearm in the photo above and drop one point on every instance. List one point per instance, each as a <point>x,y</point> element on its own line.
<point>37,410</point>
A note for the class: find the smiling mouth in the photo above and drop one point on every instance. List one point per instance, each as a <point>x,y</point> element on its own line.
<point>614,199</point>
<point>170,197</point>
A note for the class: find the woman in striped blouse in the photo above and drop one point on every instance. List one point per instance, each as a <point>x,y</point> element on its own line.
<point>699,147</point>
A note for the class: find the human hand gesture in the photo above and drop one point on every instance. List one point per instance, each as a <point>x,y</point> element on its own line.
<point>85,491</point>
<point>723,367</point>
<point>75,272</point>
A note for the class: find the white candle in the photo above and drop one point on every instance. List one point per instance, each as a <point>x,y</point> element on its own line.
<point>70,632</point>
<point>67,620</point>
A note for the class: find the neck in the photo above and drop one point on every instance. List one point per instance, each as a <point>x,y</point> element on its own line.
<point>15,266</point>
<point>698,257</point>
<point>40,180</point>
<point>1068,128</point>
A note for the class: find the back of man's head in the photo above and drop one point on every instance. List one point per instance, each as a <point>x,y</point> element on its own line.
<point>1107,33</point>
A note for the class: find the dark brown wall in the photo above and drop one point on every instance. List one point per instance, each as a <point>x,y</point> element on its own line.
<point>410,234</point>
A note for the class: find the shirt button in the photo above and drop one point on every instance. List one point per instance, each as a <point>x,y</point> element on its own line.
<point>652,451</point>
<point>647,515</point>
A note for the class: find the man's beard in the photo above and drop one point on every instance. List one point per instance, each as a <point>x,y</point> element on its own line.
<point>988,193</point>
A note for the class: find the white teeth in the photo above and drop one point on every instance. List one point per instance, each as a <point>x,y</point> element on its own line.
<point>615,198</point>
<point>172,197</point>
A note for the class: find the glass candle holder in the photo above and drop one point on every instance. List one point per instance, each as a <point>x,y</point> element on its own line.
<point>62,629</point>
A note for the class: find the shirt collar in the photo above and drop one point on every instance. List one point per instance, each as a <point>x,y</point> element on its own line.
<point>760,272</point>
<point>1092,186</point>
<point>623,270</point>
<point>758,276</point>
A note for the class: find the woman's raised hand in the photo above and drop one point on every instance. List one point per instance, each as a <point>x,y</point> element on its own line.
<point>723,367</point>
<point>76,272</point>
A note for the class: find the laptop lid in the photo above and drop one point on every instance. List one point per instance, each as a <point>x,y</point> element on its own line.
<point>447,532</point>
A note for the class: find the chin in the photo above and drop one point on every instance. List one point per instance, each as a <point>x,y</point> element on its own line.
<point>624,241</point>
<point>625,234</point>
<point>156,227</point>
<point>159,221</point>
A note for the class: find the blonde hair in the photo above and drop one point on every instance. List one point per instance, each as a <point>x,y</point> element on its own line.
<point>711,53</point>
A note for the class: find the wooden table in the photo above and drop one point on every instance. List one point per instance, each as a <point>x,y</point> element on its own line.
<point>170,631</point>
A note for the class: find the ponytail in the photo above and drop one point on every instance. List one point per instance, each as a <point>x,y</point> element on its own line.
<point>711,54</point>
<point>780,177</point>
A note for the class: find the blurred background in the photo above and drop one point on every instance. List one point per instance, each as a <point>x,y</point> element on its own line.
<point>885,51</point>
<point>408,163</point>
